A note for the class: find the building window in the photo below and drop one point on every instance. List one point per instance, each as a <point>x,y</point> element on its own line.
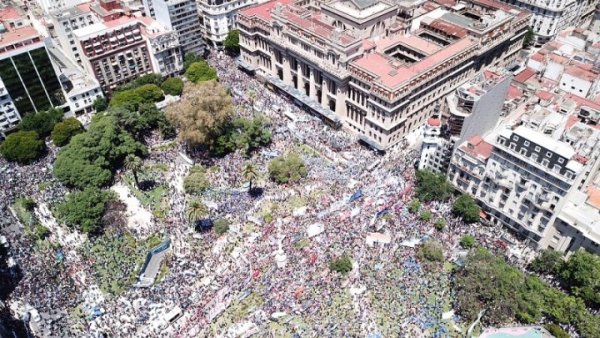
<point>548,154</point>
<point>526,143</point>
<point>537,149</point>
<point>545,162</point>
<point>515,137</point>
<point>561,160</point>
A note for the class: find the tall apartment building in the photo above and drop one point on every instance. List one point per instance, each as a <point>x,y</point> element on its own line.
<point>218,18</point>
<point>181,16</point>
<point>372,66</point>
<point>549,17</point>
<point>534,173</point>
<point>28,80</point>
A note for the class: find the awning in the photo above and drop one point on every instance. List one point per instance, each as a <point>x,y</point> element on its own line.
<point>244,65</point>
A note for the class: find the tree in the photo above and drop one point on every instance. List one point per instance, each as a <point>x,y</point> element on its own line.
<point>425,215</point>
<point>100,104</point>
<point>245,134</point>
<point>128,99</point>
<point>200,71</point>
<point>134,163</point>
<point>232,42</point>
<point>432,186</point>
<point>547,262</point>
<point>467,241</point>
<point>196,181</point>
<point>172,86</point>
<point>465,207</point>
<point>250,174</point>
<point>529,38</point>
<point>414,206</point>
<point>202,113</point>
<point>439,224</point>
<point>188,59</point>
<point>556,331</point>
<point>91,157</point>
<point>65,130</point>
<point>150,93</point>
<point>83,210</point>
<point>581,274</point>
<point>196,210</point>
<point>342,264</point>
<point>41,122</point>
<point>288,169</point>
<point>431,251</point>
<point>22,147</point>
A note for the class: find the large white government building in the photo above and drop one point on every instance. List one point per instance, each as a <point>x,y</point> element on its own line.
<point>379,68</point>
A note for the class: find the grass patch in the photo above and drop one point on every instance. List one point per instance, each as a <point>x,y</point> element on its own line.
<point>166,146</point>
<point>301,244</point>
<point>44,185</point>
<point>24,212</point>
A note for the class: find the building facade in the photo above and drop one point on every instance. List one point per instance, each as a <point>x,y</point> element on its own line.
<point>549,17</point>
<point>29,81</point>
<point>355,64</point>
<point>181,16</point>
<point>218,18</point>
<point>69,20</point>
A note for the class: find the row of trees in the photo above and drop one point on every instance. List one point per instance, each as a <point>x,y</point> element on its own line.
<point>435,187</point>
<point>487,282</point>
<point>580,274</point>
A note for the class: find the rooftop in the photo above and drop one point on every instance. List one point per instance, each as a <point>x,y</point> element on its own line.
<point>478,148</point>
<point>263,11</point>
<point>546,141</point>
<point>18,35</point>
<point>392,74</point>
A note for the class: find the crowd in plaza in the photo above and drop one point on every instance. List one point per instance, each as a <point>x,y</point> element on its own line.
<point>350,192</point>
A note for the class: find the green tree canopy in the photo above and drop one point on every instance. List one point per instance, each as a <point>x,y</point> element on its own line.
<point>188,59</point>
<point>432,186</point>
<point>287,169</point>
<point>342,264</point>
<point>547,262</point>
<point>83,210</point>
<point>581,274</point>
<point>41,122</point>
<point>245,134</point>
<point>153,78</point>
<point>221,226</point>
<point>65,130</point>
<point>200,71</point>
<point>196,181</point>
<point>100,104</point>
<point>431,251</point>
<point>232,42</point>
<point>22,147</point>
<point>172,86</point>
<point>467,241</point>
<point>129,99</point>
<point>465,207</point>
<point>150,93</point>
<point>529,38</point>
<point>91,157</point>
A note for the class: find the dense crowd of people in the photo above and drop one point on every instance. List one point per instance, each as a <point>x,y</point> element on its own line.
<point>269,255</point>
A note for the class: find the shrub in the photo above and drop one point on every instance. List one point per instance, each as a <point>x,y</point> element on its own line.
<point>84,209</point>
<point>172,86</point>
<point>287,169</point>
<point>467,241</point>
<point>63,131</point>
<point>41,122</point>
<point>465,207</point>
<point>440,224</point>
<point>431,251</point>
<point>556,331</point>
<point>196,181</point>
<point>425,216</point>
<point>22,147</point>
<point>414,206</point>
<point>200,71</point>
<point>432,186</point>
<point>342,265</point>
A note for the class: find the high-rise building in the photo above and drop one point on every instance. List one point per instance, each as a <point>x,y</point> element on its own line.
<point>549,17</point>
<point>371,66</point>
<point>181,16</point>
<point>218,18</point>
<point>28,80</point>
<point>537,175</point>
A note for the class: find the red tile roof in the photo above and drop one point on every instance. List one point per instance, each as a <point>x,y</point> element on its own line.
<point>544,95</point>
<point>524,75</point>
<point>9,13</point>
<point>19,35</point>
<point>264,10</point>
<point>571,121</point>
<point>434,122</point>
<point>448,28</point>
<point>584,102</point>
<point>478,148</point>
<point>537,57</point>
<point>513,93</point>
<point>581,73</point>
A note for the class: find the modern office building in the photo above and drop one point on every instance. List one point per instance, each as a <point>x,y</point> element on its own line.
<point>371,65</point>
<point>218,18</point>
<point>181,16</point>
<point>549,17</point>
<point>28,79</point>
